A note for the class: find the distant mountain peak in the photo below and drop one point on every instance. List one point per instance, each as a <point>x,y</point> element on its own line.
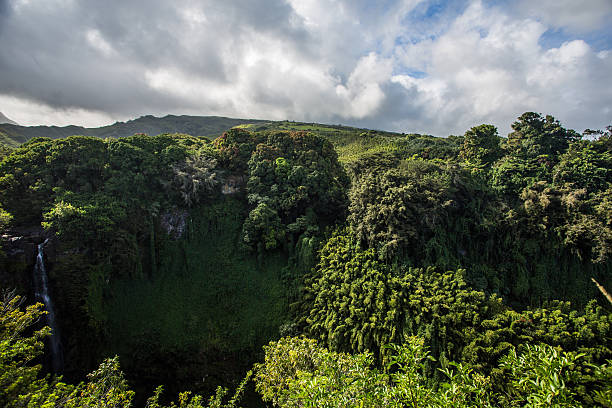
<point>4,119</point>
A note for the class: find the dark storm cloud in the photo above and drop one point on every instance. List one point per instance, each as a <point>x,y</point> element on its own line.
<point>94,55</point>
<point>44,56</point>
<point>156,32</point>
<point>4,8</point>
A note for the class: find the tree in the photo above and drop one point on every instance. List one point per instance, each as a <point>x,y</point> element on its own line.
<point>295,185</point>
<point>535,136</point>
<point>5,218</point>
<point>481,146</point>
<point>19,375</point>
<point>4,150</point>
<point>541,375</point>
<point>196,177</point>
<point>106,387</point>
<point>21,382</point>
<point>26,181</point>
<point>420,210</point>
<point>585,166</point>
<point>512,173</point>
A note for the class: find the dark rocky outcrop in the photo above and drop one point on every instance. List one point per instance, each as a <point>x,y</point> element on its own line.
<point>19,248</point>
<point>174,222</point>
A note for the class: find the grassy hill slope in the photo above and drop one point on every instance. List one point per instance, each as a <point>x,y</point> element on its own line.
<point>353,143</point>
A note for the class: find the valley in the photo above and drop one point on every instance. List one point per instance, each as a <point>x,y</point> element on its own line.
<point>185,245</point>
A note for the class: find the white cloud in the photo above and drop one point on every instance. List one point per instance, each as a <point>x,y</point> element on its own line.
<point>193,15</point>
<point>97,42</point>
<point>349,61</point>
<point>29,113</point>
<point>489,67</point>
<point>362,95</point>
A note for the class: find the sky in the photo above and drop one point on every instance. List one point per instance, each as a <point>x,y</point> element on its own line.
<point>436,67</point>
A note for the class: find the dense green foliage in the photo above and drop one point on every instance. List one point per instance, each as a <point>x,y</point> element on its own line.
<point>535,136</point>
<point>138,220</point>
<point>21,384</point>
<point>185,257</point>
<point>353,302</point>
<point>299,373</point>
<point>295,184</point>
<point>418,209</point>
<point>481,146</point>
<point>522,225</point>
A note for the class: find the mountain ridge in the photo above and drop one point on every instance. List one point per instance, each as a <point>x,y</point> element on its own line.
<point>204,126</point>
<point>210,126</point>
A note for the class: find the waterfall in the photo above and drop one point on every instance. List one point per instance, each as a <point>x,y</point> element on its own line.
<point>41,288</point>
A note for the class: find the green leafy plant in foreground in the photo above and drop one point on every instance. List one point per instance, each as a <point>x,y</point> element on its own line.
<point>540,375</point>
<point>299,373</point>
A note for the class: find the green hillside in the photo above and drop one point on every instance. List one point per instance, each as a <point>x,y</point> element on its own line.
<point>351,143</point>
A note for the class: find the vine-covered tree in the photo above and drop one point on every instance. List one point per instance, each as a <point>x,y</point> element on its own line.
<point>481,146</point>
<point>534,136</point>
<point>295,185</point>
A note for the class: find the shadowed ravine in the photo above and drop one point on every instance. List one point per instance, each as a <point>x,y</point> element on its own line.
<point>41,287</point>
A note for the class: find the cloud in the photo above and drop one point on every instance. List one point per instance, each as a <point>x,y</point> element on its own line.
<point>577,16</point>
<point>4,7</point>
<point>28,113</point>
<point>94,56</point>
<point>98,43</point>
<point>362,95</point>
<point>245,58</point>
<point>409,65</point>
<point>489,68</point>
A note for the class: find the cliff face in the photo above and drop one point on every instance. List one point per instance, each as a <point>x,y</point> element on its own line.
<point>207,309</point>
<point>18,250</point>
<point>174,222</point>
<point>233,185</point>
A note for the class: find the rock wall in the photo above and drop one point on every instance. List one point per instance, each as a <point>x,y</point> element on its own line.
<point>18,250</point>
<point>233,185</point>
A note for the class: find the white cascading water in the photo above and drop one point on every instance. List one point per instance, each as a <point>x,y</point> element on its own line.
<point>41,287</point>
